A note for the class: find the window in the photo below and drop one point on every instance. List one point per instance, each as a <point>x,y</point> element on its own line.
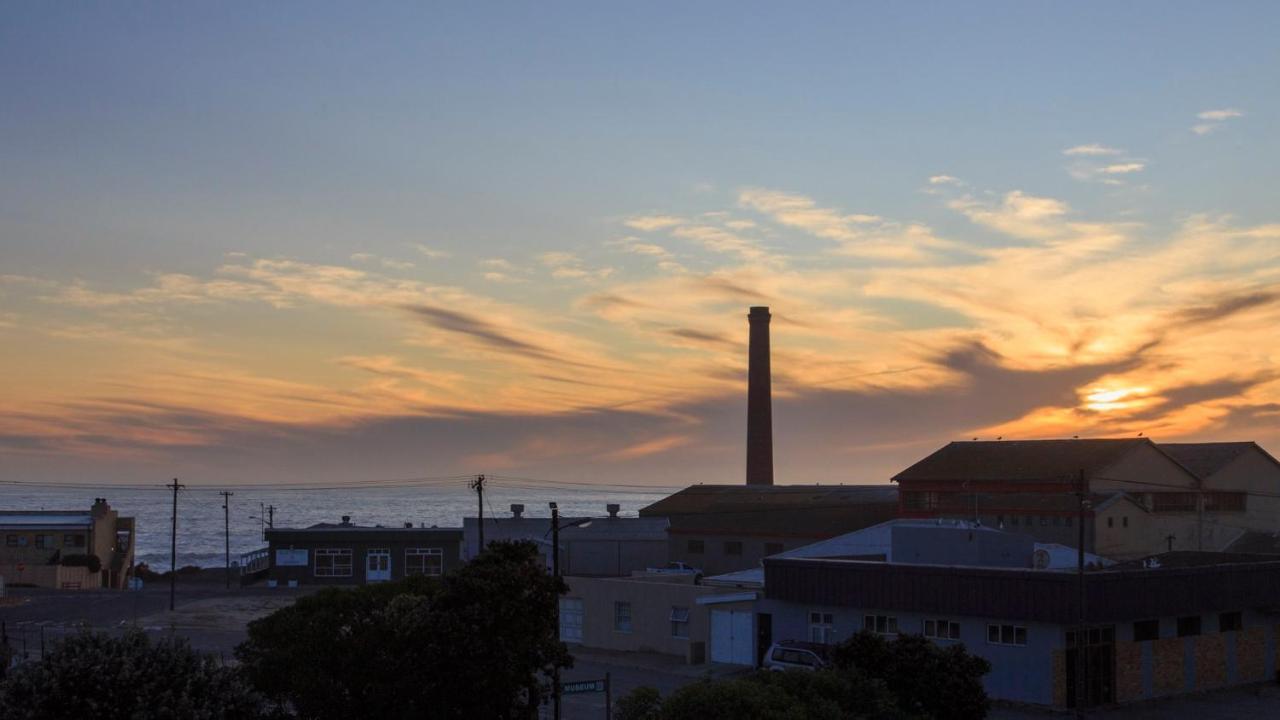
<point>1173,502</point>
<point>1006,635</point>
<point>1146,630</point>
<point>622,617</point>
<point>1013,520</point>
<point>942,629</point>
<point>1044,520</point>
<point>1070,521</point>
<point>772,548</point>
<point>696,547</point>
<point>1111,522</point>
<point>732,547</point>
<point>1188,626</point>
<point>1225,501</point>
<point>679,622</point>
<point>423,561</point>
<point>1030,521</point>
<point>333,562</point>
<point>882,624</point>
<point>1124,521</point>
<point>1057,521</point>
<point>821,627</point>
<point>1103,635</point>
<point>919,500</point>
<point>44,541</point>
<point>73,541</point>
<point>11,540</point>
<point>1230,621</point>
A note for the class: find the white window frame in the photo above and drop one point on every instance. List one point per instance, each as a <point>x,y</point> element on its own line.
<point>679,622</point>
<point>1008,635</point>
<point>422,554</point>
<point>335,566</point>
<point>822,627</point>
<point>940,629</point>
<point>880,624</point>
<point>618,625</point>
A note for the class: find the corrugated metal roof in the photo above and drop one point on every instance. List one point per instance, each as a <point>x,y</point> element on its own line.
<point>697,499</point>
<point>1020,460</point>
<point>1205,459</point>
<point>35,519</point>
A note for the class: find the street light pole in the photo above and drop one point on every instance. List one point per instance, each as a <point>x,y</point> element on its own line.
<point>555,572</point>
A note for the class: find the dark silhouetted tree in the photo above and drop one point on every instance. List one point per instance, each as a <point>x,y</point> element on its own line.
<point>927,679</point>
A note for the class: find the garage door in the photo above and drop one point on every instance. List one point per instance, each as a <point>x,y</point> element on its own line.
<point>731,637</point>
<point>571,620</point>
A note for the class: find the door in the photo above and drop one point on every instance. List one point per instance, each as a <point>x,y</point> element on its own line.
<point>571,620</point>
<point>731,637</point>
<point>1098,666</point>
<point>764,636</point>
<point>377,566</point>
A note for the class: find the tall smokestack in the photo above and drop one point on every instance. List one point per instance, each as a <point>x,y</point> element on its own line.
<point>759,401</point>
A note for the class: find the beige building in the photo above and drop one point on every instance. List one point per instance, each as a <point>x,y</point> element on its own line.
<point>58,548</point>
<point>666,614</point>
<point>1144,497</point>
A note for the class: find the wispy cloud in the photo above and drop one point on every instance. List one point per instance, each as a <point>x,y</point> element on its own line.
<point>429,252</point>
<point>1091,149</point>
<point>568,266</point>
<point>649,223</point>
<point>1214,120</point>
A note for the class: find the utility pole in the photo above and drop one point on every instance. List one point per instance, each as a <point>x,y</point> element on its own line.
<point>173,546</point>
<point>1081,666</point>
<point>262,521</point>
<point>1169,539</point>
<point>271,516</point>
<point>226,525</point>
<point>478,486</point>
<point>555,572</point>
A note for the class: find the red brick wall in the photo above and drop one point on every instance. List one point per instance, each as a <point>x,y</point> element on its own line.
<point>1128,671</point>
<point>1169,671</point>
<point>1211,661</point>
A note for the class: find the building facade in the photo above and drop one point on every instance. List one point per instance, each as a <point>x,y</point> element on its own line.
<point>1149,630</point>
<point>49,547</point>
<point>347,554</point>
<point>723,528</point>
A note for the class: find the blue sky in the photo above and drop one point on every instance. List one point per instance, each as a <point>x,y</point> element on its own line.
<point>501,160</point>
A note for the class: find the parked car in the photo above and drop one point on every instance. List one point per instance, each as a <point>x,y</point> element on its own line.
<point>795,655</point>
<point>677,568</point>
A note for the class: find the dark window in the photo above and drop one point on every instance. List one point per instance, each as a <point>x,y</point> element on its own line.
<point>1013,520</point>
<point>732,547</point>
<point>1124,521</point>
<point>1173,502</point>
<point>11,540</point>
<point>1111,522</point>
<point>679,622</point>
<point>1229,621</point>
<point>696,547</point>
<point>1146,630</point>
<point>621,617</point>
<point>1070,521</point>
<point>1057,521</point>
<point>73,541</point>
<point>772,548</point>
<point>1030,521</point>
<point>915,500</point>
<point>1188,626</point>
<point>44,541</point>
<point>942,629</point>
<point>882,624</point>
<point>1006,635</point>
<point>1225,501</point>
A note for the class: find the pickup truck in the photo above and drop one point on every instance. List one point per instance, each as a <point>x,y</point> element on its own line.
<point>676,568</point>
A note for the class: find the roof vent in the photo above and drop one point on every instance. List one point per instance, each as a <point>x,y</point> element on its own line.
<point>517,510</point>
<point>408,524</point>
<point>613,509</point>
<point>346,520</point>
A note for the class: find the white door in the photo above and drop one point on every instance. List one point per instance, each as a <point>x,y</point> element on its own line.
<point>377,566</point>
<point>571,620</point>
<point>731,640</point>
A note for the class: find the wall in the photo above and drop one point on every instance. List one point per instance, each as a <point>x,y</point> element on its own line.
<point>714,561</point>
<point>1136,469</point>
<point>651,602</point>
<point>611,557</point>
<point>1018,673</point>
<point>52,576</point>
<point>1253,472</point>
<point>359,544</point>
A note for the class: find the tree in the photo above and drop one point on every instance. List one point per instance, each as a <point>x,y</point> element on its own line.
<point>792,695</point>
<point>95,675</point>
<point>480,642</point>
<point>925,678</point>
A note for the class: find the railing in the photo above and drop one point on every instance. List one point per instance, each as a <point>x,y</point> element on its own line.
<point>252,563</point>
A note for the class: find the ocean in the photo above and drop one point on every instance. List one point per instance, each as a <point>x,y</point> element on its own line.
<point>200,514</point>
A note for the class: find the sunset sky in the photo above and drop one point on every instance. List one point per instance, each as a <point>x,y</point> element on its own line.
<point>287,242</point>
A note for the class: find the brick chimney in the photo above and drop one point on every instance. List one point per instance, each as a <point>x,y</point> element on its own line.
<point>517,509</point>
<point>759,401</point>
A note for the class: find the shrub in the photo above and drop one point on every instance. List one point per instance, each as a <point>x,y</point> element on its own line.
<point>927,679</point>
<point>85,561</point>
<point>95,675</point>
